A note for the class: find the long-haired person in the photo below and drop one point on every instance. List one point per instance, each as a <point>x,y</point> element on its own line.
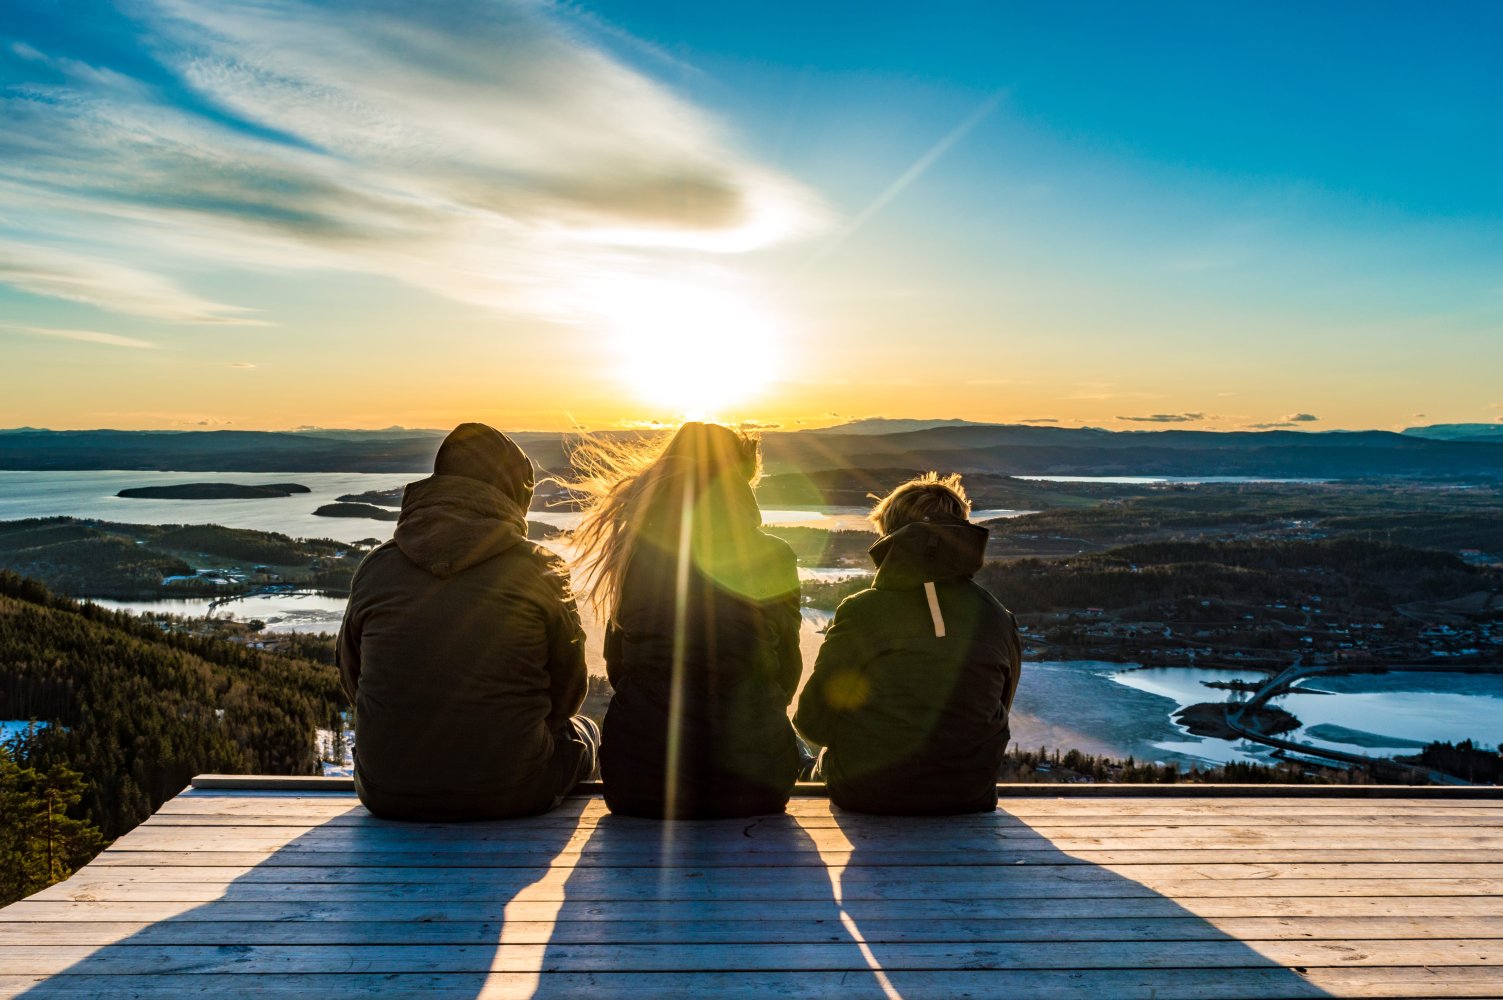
<point>701,644</point>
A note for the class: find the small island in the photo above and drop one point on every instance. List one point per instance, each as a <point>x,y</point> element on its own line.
<point>380,498</point>
<point>213,491</point>
<point>356,510</point>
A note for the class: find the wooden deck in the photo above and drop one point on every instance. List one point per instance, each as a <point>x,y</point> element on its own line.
<point>1106,895</point>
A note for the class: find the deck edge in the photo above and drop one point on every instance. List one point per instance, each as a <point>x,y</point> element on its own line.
<point>807,789</point>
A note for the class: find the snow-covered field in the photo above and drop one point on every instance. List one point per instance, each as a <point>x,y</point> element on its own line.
<point>337,750</point>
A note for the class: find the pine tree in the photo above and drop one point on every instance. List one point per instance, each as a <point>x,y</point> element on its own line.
<point>40,844</point>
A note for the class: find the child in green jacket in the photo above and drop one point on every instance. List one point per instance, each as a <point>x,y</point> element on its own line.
<point>912,687</point>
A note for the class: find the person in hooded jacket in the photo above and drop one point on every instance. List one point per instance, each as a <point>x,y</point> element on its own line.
<point>702,641</point>
<point>912,687</point>
<point>462,650</point>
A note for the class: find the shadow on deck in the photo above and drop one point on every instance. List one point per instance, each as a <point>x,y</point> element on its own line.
<point>249,891</point>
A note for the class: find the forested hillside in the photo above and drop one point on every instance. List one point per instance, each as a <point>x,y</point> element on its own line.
<point>87,557</point>
<point>138,710</point>
<point>1350,576</point>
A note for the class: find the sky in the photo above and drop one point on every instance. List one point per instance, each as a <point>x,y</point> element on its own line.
<point>265,214</point>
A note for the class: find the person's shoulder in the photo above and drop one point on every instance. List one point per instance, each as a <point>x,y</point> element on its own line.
<point>377,557</point>
<point>861,602</point>
<point>986,599</point>
<point>775,548</point>
<point>541,558</point>
<point>546,571</point>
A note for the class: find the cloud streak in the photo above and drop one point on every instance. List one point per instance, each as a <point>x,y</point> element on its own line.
<point>1289,420</point>
<point>108,285</point>
<point>1166,418</point>
<point>83,336</point>
<point>494,153</point>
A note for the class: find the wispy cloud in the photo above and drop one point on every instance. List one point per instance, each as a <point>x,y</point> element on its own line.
<point>101,282</point>
<point>490,152</point>
<point>1166,418</point>
<point>1039,420</point>
<point>84,336</point>
<point>1289,420</point>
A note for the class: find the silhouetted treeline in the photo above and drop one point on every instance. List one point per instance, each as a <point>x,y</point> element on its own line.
<point>1473,762</point>
<point>139,709</point>
<point>1047,766</point>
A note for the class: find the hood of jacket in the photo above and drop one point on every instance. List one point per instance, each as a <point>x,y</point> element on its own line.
<point>928,551</point>
<point>450,523</point>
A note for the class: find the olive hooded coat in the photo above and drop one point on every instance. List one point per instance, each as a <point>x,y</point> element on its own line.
<point>462,649</point>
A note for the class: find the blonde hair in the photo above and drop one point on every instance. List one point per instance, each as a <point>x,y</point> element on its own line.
<point>930,497</point>
<point>622,483</point>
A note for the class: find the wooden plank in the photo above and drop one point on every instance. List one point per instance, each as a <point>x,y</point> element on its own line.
<point>931,876</point>
<point>608,856</point>
<point>382,958</point>
<point>588,885</point>
<point>794,912</point>
<point>1117,984</point>
<point>893,827</point>
<point>230,933</point>
<point>458,841</point>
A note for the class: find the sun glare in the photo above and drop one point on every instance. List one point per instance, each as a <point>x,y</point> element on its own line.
<point>694,350</point>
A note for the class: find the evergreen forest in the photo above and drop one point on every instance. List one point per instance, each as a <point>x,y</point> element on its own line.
<point>136,707</point>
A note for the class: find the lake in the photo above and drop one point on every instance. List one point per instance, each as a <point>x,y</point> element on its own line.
<point>1165,480</point>
<point>92,494</point>
<point>1375,714</point>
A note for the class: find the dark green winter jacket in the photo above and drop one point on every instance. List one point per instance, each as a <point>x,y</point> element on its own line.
<point>463,654</point>
<point>912,686</point>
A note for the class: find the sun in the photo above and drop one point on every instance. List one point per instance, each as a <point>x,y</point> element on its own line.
<point>694,350</point>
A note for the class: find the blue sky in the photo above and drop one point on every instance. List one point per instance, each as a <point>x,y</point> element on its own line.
<point>1212,215</point>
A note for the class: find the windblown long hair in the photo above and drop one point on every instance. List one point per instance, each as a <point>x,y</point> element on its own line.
<point>688,493</point>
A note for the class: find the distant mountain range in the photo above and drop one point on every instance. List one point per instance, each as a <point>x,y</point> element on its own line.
<point>1458,432</point>
<point>886,425</point>
<point>1008,449</point>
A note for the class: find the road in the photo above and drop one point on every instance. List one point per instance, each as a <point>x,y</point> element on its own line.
<point>1281,683</point>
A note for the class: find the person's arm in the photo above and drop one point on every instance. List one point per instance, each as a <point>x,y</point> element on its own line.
<point>347,656</point>
<point>347,645</point>
<point>613,653</point>
<point>1015,656</point>
<point>789,620</point>
<point>790,654</point>
<point>568,678</point>
<point>838,682</point>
